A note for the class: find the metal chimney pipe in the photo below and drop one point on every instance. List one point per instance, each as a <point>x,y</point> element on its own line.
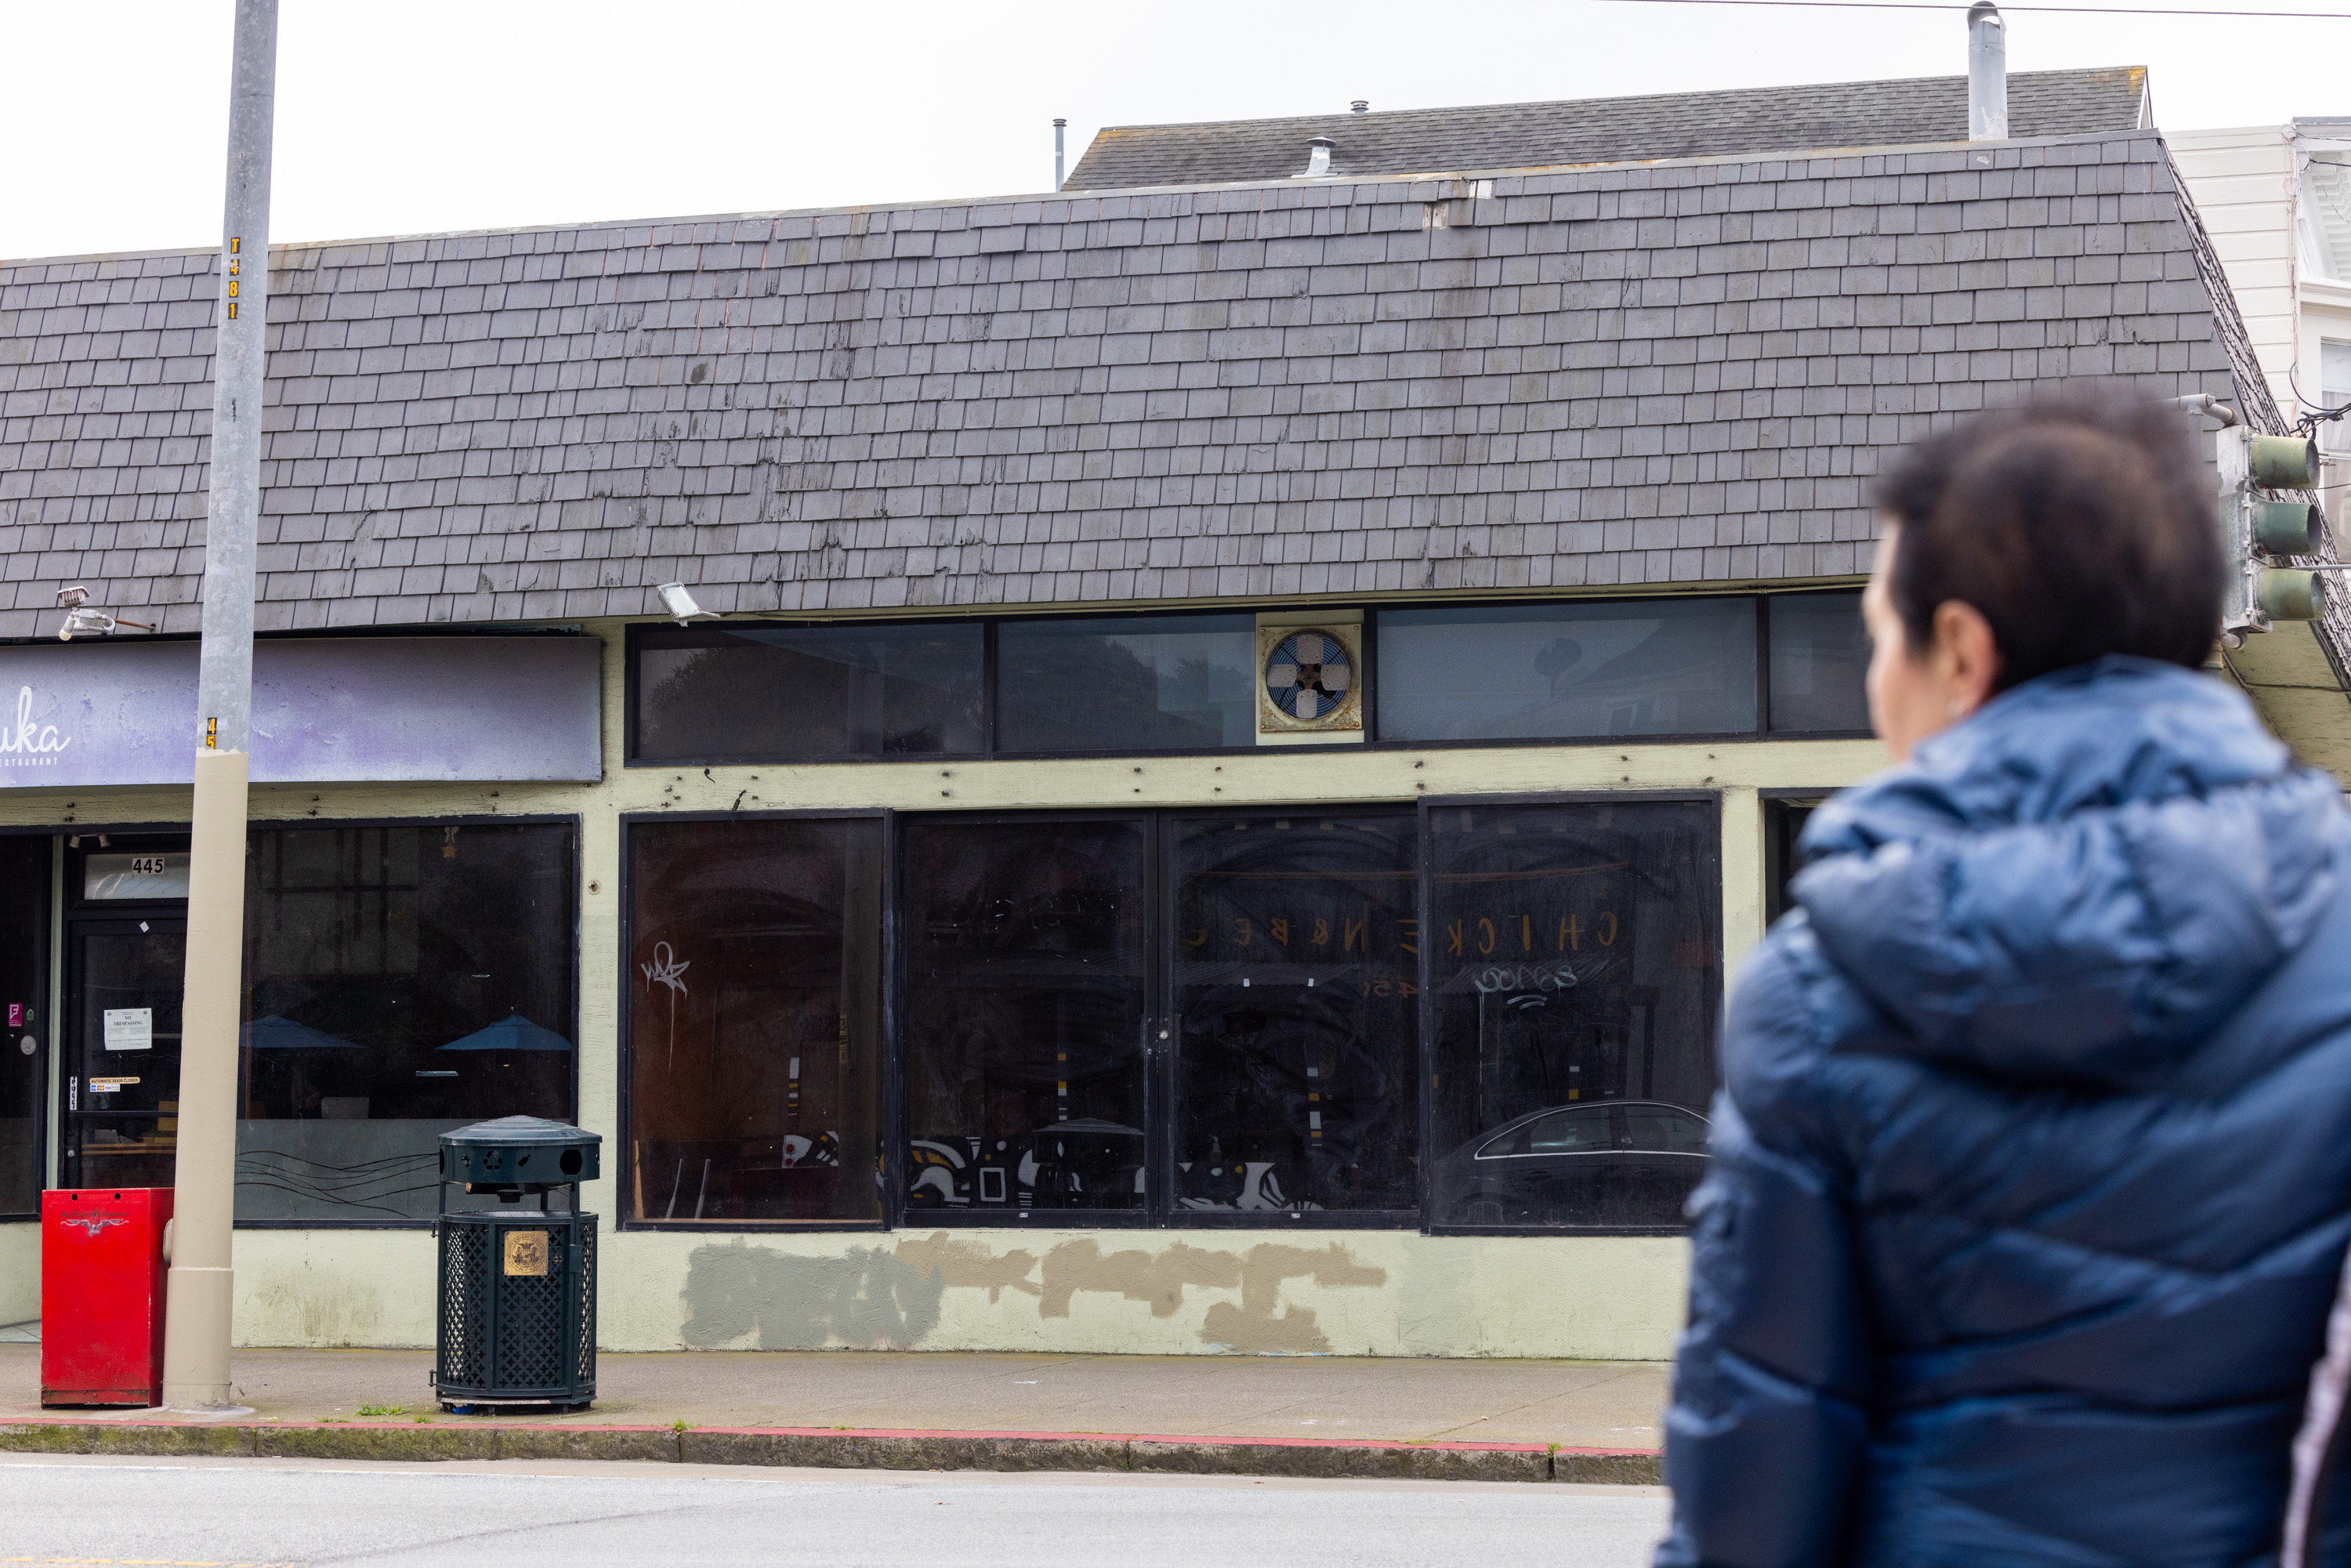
<point>1987,73</point>
<point>1058,176</point>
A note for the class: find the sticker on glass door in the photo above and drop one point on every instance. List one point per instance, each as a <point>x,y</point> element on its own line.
<point>129,1028</point>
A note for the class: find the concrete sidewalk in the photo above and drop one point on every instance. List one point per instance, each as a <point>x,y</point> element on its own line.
<point>1288,1414</point>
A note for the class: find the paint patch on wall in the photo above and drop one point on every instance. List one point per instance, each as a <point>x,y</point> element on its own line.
<point>870,1298</point>
<point>972,1265</point>
<point>1255,1324</point>
<point>866,1299</point>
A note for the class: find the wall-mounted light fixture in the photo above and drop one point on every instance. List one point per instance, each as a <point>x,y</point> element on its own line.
<point>681,604</point>
<point>79,618</point>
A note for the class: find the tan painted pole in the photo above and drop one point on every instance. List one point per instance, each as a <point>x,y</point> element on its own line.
<point>196,1318</point>
<point>202,1286</point>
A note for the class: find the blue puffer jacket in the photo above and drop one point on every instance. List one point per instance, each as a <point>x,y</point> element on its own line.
<point>2032,1164</point>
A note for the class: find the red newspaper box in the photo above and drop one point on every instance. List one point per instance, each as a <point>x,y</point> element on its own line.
<point>103,1295</point>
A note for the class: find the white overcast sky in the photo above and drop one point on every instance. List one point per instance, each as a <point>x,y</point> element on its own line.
<point>432,115</point>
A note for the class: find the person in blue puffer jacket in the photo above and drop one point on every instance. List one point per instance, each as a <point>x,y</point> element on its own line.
<point>2032,1174</point>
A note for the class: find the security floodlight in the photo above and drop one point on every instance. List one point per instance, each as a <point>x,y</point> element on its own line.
<point>680,603</point>
<point>79,617</point>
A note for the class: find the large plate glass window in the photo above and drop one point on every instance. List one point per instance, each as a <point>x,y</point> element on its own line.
<point>755,1021</point>
<point>1575,979</point>
<point>400,981</point>
<point>24,1021</point>
<point>1566,671</point>
<point>1820,658</point>
<point>1295,961</point>
<point>1156,683</point>
<point>1026,946</point>
<point>784,693</point>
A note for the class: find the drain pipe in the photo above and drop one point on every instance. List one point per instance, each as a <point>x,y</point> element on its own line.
<point>1987,73</point>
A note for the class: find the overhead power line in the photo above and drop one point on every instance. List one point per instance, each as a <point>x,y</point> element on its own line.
<point>2045,10</point>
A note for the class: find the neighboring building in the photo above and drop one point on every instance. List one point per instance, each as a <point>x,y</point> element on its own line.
<point>1246,727</point>
<point>2276,200</point>
<point>1492,136</point>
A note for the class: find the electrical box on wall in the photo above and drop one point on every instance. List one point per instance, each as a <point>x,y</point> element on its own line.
<point>1310,678</point>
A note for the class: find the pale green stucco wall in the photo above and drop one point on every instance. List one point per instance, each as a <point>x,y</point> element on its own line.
<point>1169,1292</point>
<point>20,1272</point>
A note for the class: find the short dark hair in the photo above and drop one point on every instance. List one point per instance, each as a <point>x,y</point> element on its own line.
<point>2080,523</point>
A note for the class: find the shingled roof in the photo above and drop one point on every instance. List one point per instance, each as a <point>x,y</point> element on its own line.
<point>1667,374</point>
<point>1485,137</point>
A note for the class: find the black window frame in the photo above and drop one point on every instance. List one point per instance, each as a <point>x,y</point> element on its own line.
<point>1428,1062</point>
<point>1787,811</point>
<point>1156,1055</point>
<point>634,637</point>
<point>73,904</point>
<point>1160,1054</point>
<point>1164,1027</point>
<point>1763,671</point>
<point>893,1077</point>
<point>579,903</point>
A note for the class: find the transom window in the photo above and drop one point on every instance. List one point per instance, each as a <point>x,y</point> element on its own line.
<point>1558,670</point>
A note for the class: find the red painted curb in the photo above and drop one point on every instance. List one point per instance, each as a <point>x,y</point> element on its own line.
<point>1190,1439</point>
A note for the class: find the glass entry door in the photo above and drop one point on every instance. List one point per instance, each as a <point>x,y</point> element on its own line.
<point>124,980</point>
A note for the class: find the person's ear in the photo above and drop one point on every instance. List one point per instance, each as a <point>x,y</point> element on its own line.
<point>1966,655</point>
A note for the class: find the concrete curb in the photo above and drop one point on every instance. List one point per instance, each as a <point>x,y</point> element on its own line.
<point>821,1447</point>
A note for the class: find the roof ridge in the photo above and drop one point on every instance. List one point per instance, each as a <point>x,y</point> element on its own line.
<point>1352,116</point>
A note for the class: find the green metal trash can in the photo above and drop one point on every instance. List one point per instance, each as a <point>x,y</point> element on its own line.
<point>517,1318</point>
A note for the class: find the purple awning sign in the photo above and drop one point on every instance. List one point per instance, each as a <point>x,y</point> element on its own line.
<point>325,711</point>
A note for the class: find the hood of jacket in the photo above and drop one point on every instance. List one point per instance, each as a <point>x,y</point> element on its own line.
<point>2081,880</point>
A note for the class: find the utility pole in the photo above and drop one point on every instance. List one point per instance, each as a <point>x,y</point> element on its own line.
<point>200,1291</point>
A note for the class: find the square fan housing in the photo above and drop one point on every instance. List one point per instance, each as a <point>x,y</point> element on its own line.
<point>1310,678</point>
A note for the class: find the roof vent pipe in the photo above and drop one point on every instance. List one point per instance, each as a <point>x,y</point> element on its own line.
<point>1058,176</point>
<point>1318,156</point>
<point>1987,73</point>
<point>1359,105</point>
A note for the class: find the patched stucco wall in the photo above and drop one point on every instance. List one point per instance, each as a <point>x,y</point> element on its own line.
<point>1350,1292</point>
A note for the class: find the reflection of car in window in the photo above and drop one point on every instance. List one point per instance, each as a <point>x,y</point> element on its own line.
<point>1607,1163</point>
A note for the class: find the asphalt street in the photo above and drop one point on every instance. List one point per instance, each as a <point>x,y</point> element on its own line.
<point>96,1511</point>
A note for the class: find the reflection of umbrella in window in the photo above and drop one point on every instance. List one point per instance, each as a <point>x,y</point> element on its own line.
<point>512,1032</point>
<point>275,1033</point>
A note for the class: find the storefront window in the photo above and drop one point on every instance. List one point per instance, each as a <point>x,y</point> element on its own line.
<point>1565,670</point>
<point>1576,976</point>
<point>1025,999</point>
<point>1820,654</point>
<point>1296,952</point>
<point>755,1021</point>
<point>24,1012</point>
<point>703,694</point>
<point>1150,684</point>
<point>400,981</point>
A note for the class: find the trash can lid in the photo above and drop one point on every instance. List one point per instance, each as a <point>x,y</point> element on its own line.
<point>510,1132</point>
